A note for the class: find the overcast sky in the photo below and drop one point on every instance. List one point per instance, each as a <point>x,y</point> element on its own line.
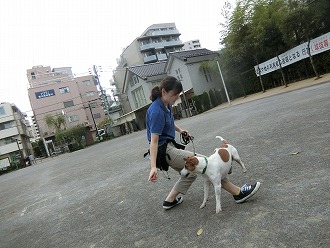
<point>81,33</point>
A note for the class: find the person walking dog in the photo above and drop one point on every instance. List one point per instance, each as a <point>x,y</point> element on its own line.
<point>165,152</point>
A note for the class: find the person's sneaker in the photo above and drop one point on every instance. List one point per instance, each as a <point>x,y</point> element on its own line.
<point>246,192</point>
<point>168,205</point>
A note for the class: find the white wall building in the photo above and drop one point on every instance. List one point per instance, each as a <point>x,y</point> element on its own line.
<point>14,135</point>
<point>191,45</point>
<point>185,66</point>
<point>152,46</point>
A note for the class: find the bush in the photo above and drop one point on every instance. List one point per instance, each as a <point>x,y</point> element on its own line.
<point>206,102</point>
<point>218,96</point>
<point>213,98</point>
<point>202,102</point>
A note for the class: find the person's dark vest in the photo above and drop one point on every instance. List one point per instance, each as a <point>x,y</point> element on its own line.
<point>161,162</point>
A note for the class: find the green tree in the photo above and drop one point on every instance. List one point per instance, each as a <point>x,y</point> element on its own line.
<point>106,121</point>
<point>55,122</point>
<point>74,135</point>
<point>257,30</point>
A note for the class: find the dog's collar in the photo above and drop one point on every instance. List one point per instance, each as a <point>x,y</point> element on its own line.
<point>206,161</point>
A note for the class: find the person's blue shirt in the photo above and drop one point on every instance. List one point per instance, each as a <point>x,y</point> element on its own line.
<point>160,121</point>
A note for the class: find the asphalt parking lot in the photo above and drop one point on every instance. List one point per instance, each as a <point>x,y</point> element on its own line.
<point>100,196</point>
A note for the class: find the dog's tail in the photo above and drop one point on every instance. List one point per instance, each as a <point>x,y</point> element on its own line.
<point>222,139</point>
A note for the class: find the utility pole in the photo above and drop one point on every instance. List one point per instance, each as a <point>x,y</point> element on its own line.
<point>104,98</point>
<point>90,108</point>
<point>224,85</point>
<point>21,159</point>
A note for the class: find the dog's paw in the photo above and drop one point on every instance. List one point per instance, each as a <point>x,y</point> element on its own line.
<point>218,211</point>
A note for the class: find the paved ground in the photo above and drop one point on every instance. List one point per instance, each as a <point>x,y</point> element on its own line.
<point>100,197</point>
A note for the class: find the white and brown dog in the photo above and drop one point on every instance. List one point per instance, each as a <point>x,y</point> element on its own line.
<point>213,168</point>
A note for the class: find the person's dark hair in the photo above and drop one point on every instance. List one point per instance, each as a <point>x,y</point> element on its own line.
<point>168,83</point>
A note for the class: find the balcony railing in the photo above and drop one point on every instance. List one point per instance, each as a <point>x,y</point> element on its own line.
<point>160,45</point>
<point>164,33</point>
<point>149,59</point>
<point>162,56</point>
<point>9,148</point>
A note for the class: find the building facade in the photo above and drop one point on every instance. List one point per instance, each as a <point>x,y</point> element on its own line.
<point>191,45</point>
<point>158,52</point>
<point>152,46</point>
<point>57,92</point>
<point>186,66</point>
<point>14,136</point>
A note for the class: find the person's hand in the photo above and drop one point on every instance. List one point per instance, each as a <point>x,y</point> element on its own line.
<point>185,133</point>
<point>153,175</point>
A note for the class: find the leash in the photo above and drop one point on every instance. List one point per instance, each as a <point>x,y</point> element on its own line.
<point>185,140</point>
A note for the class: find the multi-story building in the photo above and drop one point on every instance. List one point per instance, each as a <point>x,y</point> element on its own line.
<point>147,60</point>
<point>152,46</point>
<point>34,131</point>
<point>57,92</point>
<point>14,136</point>
<point>191,45</point>
<point>186,66</point>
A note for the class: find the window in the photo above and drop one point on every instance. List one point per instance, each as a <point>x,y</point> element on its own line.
<point>97,116</point>
<point>73,118</point>
<point>139,98</point>
<point>5,125</point>
<point>178,74</point>
<point>64,90</point>
<point>2,111</point>
<point>135,80</point>
<point>90,93</point>
<point>93,104</point>
<point>86,82</point>
<point>207,74</point>
<point>68,104</point>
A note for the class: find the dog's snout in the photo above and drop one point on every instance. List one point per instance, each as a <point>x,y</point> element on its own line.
<point>184,172</point>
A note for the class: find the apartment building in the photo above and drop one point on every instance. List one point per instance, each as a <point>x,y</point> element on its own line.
<point>184,65</point>
<point>57,92</point>
<point>14,136</point>
<point>34,130</point>
<point>152,46</point>
<point>191,45</point>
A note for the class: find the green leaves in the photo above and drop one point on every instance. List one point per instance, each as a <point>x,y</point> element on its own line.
<point>55,122</point>
<point>258,30</point>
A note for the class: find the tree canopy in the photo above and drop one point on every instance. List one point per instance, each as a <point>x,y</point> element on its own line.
<point>257,30</point>
<point>55,121</point>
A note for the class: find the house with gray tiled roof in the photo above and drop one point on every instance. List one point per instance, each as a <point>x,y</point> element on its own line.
<point>197,55</point>
<point>138,83</point>
<point>139,80</point>
<point>184,65</point>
